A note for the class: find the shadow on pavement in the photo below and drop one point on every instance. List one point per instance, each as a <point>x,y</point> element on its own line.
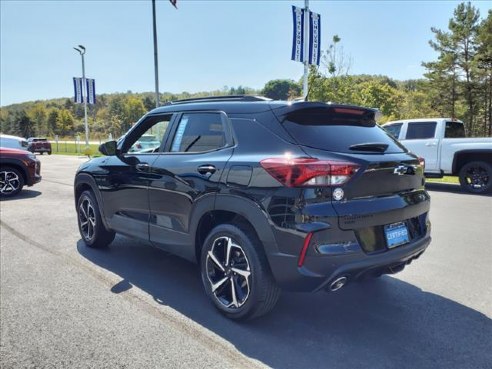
<point>24,194</point>
<point>385,323</point>
<point>451,188</point>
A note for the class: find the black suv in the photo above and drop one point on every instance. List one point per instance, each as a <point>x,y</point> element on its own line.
<point>262,194</point>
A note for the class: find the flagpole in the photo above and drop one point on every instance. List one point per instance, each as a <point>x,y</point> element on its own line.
<point>156,68</point>
<point>306,48</point>
<point>81,50</point>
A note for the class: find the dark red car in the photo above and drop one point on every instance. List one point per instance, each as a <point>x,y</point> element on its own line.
<point>18,168</point>
<point>38,144</point>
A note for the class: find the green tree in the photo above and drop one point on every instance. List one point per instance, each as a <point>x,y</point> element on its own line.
<point>26,125</point>
<point>484,67</point>
<point>65,123</point>
<point>133,110</point>
<point>38,116</point>
<point>281,89</point>
<point>52,122</point>
<point>455,71</point>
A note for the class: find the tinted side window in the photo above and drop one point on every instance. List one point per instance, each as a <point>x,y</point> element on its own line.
<point>454,130</point>
<point>393,129</point>
<point>418,130</point>
<point>199,132</point>
<point>147,136</point>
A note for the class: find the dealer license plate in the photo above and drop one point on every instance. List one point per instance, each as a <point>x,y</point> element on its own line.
<point>396,234</point>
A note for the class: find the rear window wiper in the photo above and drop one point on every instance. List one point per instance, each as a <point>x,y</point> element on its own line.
<point>370,146</point>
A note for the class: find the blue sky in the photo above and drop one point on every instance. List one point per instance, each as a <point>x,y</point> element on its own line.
<point>204,45</point>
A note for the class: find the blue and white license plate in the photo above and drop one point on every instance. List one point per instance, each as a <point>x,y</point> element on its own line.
<point>396,234</point>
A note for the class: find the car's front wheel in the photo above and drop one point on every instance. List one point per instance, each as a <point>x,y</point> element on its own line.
<point>91,227</point>
<point>476,177</point>
<point>236,274</point>
<point>11,181</point>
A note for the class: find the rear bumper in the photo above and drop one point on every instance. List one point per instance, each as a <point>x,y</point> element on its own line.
<point>318,272</point>
<point>40,149</point>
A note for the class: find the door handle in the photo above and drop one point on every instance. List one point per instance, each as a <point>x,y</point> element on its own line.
<point>206,169</point>
<point>143,167</point>
<point>430,144</point>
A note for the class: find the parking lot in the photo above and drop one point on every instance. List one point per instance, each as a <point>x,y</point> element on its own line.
<point>132,306</point>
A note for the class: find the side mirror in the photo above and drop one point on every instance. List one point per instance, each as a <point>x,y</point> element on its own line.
<point>108,148</point>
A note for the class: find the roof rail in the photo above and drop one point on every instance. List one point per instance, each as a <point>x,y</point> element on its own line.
<point>250,98</point>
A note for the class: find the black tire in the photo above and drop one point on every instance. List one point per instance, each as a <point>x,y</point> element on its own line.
<point>49,152</point>
<point>476,177</point>
<point>11,181</point>
<point>241,296</point>
<point>91,227</point>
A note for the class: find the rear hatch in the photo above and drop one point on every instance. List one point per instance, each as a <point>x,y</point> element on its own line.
<point>387,184</point>
<point>42,143</point>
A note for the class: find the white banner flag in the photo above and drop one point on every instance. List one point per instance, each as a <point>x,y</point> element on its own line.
<point>91,90</point>
<point>298,34</point>
<point>314,38</point>
<point>77,90</point>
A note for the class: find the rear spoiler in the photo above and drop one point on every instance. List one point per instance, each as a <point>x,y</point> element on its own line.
<point>313,113</point>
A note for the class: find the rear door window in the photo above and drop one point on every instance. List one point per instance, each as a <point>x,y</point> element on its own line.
<point>334,133</point>
<point>454,130</point>
<point>199,132</point>
<point>421,130</point>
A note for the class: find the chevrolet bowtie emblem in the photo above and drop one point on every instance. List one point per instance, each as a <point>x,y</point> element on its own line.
<point>400,170</point>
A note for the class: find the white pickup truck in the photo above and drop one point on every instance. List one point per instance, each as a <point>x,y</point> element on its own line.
<point>446,151</point>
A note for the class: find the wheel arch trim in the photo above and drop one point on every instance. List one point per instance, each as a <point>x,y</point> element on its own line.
<point>17,164</point>
<point>458,162</point>
<point>240,206</point>
<point>86,180</point>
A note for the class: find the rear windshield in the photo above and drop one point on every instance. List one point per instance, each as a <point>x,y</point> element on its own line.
<point>454,130</point>
<point>339,135</point>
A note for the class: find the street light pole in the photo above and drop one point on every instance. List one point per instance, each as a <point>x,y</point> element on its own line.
<point>306,49</point>
<point>81,50</point>
<point>155,56</point>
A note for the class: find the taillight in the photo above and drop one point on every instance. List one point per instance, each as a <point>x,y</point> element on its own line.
<point>305,172</point>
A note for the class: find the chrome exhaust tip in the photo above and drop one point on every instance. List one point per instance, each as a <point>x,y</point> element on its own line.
<point>338,283</point>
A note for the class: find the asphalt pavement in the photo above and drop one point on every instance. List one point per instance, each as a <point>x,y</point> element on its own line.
<point>63,305</point>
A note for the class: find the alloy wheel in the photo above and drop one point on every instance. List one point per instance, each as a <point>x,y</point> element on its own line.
<point>9,182</point>
<point>228,272</point>
<point>87,218</point>
<point>477,177</point>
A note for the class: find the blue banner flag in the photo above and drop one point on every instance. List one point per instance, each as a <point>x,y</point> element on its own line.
<point>77,90</point>
<point>298,34</point>
<point>314,38</point>
<point>91,90</point>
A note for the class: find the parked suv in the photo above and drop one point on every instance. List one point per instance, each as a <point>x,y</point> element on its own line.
<point>264,195</point>
<point>18,168</point>
<point>38,144</point>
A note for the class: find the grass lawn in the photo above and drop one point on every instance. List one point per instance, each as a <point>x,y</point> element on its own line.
<point>70,148</point>
<point>445,179</point>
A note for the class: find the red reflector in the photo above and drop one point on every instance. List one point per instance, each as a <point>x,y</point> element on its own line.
<point>302,172</point>
<point>302,255</point>
<point>422,162</point>
<point>349,111</point>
